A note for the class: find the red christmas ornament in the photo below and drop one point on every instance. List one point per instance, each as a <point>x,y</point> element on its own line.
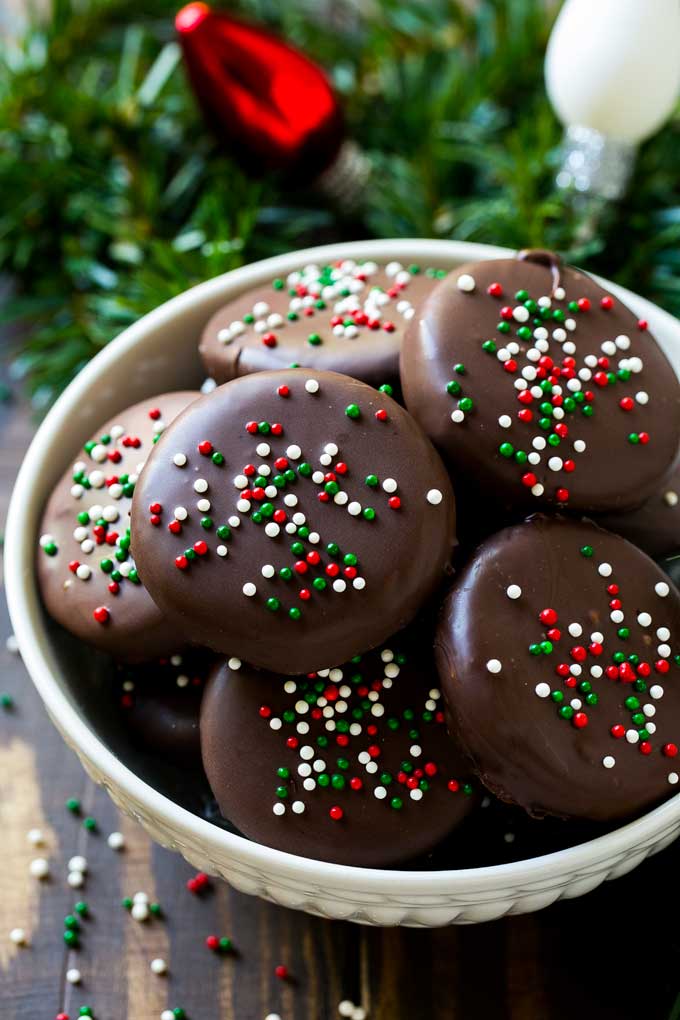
<point>272,106</point>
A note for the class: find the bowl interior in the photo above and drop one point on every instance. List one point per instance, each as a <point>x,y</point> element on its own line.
<point>157,354</point>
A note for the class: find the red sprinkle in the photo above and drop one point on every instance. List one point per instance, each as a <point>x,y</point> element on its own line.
<point>642,324</point>
<point>283,391</point>
<point>212,942</point>
<point>607,303</point>
<point>101,614</point>
<point>670,750</point>
<point>205,447</point>
<point>154,414</point>
<point>618,731</point>
<point>453,785</point>
<point>548,616</point>
<point>381,414</point>
<point>626,403</point>
<point>580,720</point>
<point>583,304</point>
<point>336,813</point>
<point>495,290</point>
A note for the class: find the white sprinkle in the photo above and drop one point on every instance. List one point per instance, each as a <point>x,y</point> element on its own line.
<point>78,863</point>
<point>661,589</point>
<point>466,283</point>
<point>494,666</point>
<point>622,342</point>
<point>276,724</point>
<point>312,386</point>
<point>649,710</point>
<point>200,485</point>
<point>39,867</point>
<point>389,485</point>
<point>339,585</point>
<point>167,1014</point>
<point>35,837</point>
<point>513,591</point>
<point>520,314</point>
<point>673,778</point>
<point>272,529</point>
<point>359,583</point>
<point>297,807</point>
<point>73,976</point>
<point>18,936</point>
<point>240,482</point>
<point>268,570</point>
<point>575,629</point>
<point>380,792</point>
<point>75,879</point>
<point>664,651</point>
<point>180,513</point>
<point>642,397</point>
<point>294,452</point>
<point>116,841</point>
<point>243,506</point>
<point>279,808</point>
<point>234,663</point>
<point>346,1008</point>
<point>663,633</point>
<point>222,550</point>
<point>670,498</point>
<point>158,966</point>
<point>632,736</point>
<point>434,497</point>
<point>83,572</point>
<point>555,463</point>
<point>505,421</point>
<point>656,691</point>
<point>596,671</point>
<point>543,690</point>
<point>534,458</point>
<point>538,489</point>
<point>354,508</point>
<point>559,294</point>
<point>457,416</point>
<point>605,569</point>
<point>579,445</point>
<point>616,616</point>
<point>596,637</point>
<point>249,589</point>
<point>608,761</point>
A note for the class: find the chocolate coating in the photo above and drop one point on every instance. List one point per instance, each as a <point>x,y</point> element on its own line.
<point>160,703</point>
<point>501,681</point>
<point>220,580</point>
<point>353,294</point>
<point>260,738</point>
<point>522,465</point>
<point>134,628</point>
<point>654,526</point>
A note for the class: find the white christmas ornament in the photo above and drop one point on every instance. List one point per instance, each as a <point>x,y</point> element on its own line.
<point>612,73</point>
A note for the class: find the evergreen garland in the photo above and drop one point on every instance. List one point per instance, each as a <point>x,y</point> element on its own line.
<point>114,197</point>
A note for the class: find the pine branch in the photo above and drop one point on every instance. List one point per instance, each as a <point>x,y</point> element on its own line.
<point>115,197</point>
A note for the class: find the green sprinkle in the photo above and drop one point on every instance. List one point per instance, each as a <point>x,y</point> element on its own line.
<point>587,551</point>
<point>566,711</point>
<point>386,388</point>
<point>489,346</point>
<point>314,339</point>
<point>282,792</point>
<point>207,523</point>
<point>155,909</point>
<point>72,923</point>
<point>506,449</point>
<point>503,327</point>
<point>82,908</point>
<point>278,284</point>
<point>353,411</point>
<point>126,902</point>
<point>332,549</point>
<point>466,404</point>
<point>459,369</point>
<point>71,939</point>
<point>396,803</point>
<point>73,805</point>
<point>587,410</point>
<point>623,632</point>
<point>557,697</point>
<point>225,944</point>
<point>273,604</point>
<point>7,701</point>
<point>633,438</point>
<point>304,469</point>
<point>217,458</point>
<point>524,333</point>
<point>319,583</point>
<point>521,295</point>
<point>294,613</point>
<point>453,387</point>
<point>90,824</point>
<point>368,513</point>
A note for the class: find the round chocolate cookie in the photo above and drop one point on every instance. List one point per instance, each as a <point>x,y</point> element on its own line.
<point>160,703</point>
<point>347,317</point>
<point>558,654</point>
<point>293,520</point>
<point>654,526</point>
<point>86,573</point>
<point>541,388</point>
<point>351,765</point>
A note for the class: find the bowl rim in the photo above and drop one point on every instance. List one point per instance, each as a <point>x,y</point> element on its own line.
<point>34,643</point>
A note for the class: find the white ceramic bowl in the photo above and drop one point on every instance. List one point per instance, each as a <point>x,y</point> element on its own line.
<point>159,353</point>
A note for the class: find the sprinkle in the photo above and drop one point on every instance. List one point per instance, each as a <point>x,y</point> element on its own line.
<point>18,936</point>
<point>608,761</point>
<point>35,837</point>
<point>604,569</point>
<point>39,868</point>
<point>466,283</point>
<point>12,645</point>
<point>158,966</point>
<point>434,497</point>
<point>200,485</point>
<point>73,976</point>
<point>312,386</point>
<point>542,690</point>
<point>494,666</point>
<point>249,589</point>
<point>661,589</point>
<point>513,591</point>
<point>116,841</point>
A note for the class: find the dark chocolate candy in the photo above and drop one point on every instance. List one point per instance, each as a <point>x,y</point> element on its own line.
<point>302,517</point>
<point>543,392</point>
<point>351,765</point>
<point>347,317</point>
<point>654,526</point>
<point>557,651</point>
<point>86,573</point>
<point>160,703</point>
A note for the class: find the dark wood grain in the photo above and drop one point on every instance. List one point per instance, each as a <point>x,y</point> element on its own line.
<point>612,955</point>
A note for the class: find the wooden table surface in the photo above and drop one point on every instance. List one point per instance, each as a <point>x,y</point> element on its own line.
<point>612,955</point>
